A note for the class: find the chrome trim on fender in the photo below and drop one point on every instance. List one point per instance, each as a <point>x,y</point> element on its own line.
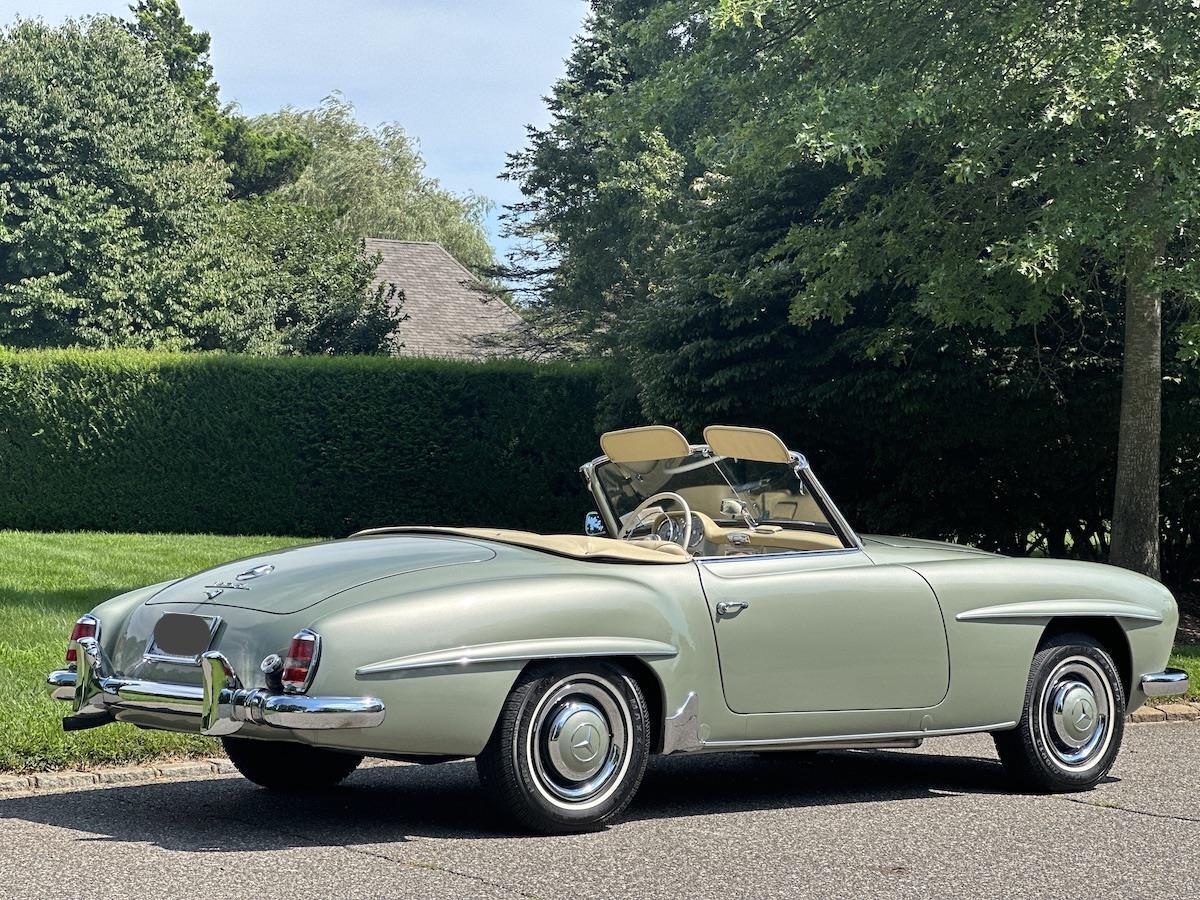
<point>220,705</point>
<point>520,651</point>
<point>1167,683</point>
<point>1041,609</point>
<point>681,731</point>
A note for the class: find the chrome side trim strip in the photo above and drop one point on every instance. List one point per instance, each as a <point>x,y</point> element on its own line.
<point>520,651</point>
<point>852,739</point>
<point>1167,683</point>
<point>1039,609</point>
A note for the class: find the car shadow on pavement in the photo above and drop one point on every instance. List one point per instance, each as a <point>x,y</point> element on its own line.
<point>390,804</point>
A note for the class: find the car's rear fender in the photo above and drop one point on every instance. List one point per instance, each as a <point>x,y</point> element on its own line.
<point>444,661</point>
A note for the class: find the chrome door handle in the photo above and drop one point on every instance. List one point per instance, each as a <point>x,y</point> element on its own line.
<point>731,607</point>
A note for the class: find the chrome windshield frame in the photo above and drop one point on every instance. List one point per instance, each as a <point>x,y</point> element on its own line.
<point>800,466</point>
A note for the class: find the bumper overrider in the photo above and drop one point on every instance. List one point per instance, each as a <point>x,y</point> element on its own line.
<point>1167,683</point>
<point>220,705</point>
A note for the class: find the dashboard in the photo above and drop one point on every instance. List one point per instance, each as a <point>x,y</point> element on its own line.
<point>710,538</point>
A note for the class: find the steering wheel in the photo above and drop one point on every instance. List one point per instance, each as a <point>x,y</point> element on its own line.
<point>635,517</point>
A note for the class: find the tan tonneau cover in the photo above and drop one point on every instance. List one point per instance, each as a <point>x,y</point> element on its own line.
<point>597,549</point>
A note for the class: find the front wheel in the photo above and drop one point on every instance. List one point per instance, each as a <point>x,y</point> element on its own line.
<point>1073,719</point>
<point>569,749</point>
<point>284,766</point>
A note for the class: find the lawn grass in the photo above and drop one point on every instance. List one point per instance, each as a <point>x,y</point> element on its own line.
<point>1187,657</point>
<point>46,582</point>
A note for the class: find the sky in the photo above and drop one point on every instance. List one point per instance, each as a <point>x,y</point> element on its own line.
<point>464,77</point>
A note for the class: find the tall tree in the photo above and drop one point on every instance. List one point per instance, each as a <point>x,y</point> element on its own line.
<point>258,162</point>
<point>116,229</point>
<point>109,199</point>
<point>374,181</point>
<point>1001,156</point>
<point>675,223</point>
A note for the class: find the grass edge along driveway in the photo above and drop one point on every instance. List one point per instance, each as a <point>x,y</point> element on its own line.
<point>48,580</point>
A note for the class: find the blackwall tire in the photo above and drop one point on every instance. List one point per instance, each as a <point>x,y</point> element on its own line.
<point>288,767</point>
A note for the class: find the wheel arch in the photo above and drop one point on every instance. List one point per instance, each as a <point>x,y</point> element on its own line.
<point>1104,629</point>
<point>643,675</point>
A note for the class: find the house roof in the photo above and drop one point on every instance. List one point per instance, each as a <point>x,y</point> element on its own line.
<point>447,310</point>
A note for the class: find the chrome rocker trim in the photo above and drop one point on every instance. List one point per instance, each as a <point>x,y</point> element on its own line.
<point>1167,683</point>
<point>220,705</point>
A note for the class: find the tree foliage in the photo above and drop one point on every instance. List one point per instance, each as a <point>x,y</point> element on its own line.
<point>374,182</point>
<point>1000,156</point>
<point>116,229</point>
<point>258,162</point>
<point>107,196</point>
<point>881,218</point>
<point>317,284</point>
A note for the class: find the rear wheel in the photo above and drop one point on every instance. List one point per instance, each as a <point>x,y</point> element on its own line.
<point>1073,720</point>
<point>285,766</point>
<point>569,749</point>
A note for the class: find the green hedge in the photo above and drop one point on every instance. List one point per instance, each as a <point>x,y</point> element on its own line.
<point>129,441</point>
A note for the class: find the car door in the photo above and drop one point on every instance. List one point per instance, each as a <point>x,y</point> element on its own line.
<point>799,632</point>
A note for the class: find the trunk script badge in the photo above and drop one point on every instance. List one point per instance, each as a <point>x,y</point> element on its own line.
<point>213,591</point>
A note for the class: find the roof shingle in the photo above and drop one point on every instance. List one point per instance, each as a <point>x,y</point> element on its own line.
<point>447,309</point>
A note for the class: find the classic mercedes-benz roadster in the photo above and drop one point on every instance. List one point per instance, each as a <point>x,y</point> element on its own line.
<point>717,601</point>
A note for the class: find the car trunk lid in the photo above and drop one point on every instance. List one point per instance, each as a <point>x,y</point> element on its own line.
<point>291,580</point>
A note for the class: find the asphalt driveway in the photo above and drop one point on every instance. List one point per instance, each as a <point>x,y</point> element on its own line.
<point>936,821</point>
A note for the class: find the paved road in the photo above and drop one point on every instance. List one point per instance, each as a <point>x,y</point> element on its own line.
<point>937,821</point>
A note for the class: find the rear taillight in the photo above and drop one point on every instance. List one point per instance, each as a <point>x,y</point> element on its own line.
<point>301,662</point>
<point>87,626</point>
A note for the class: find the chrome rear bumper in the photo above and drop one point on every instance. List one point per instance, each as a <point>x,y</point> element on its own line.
<point>220,705</point>
<point>1167,683</point>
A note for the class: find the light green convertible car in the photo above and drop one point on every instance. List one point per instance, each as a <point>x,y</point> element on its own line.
<point>718,601</point>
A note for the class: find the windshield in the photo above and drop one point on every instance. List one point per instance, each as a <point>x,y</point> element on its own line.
<point>740,493</point>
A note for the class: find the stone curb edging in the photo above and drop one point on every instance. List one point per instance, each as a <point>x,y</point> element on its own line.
<point>172,771</point>
<point>1179,711</point>
<point>50,781</point>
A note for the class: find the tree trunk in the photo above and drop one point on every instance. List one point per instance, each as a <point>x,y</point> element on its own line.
<point>1135,543</point>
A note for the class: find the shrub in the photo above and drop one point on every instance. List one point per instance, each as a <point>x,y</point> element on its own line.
<point>134,441</point>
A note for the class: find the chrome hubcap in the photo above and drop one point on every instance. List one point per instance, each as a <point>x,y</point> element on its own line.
<point>578,741</point>
<point>576,747</point>
<point>1076,711</point>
